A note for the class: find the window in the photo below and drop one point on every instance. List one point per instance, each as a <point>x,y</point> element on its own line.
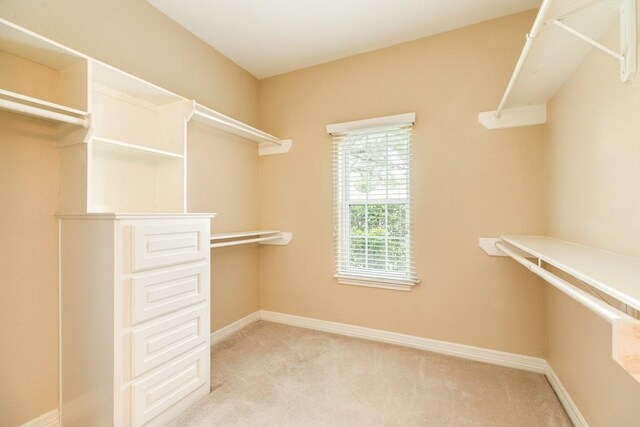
<point>372,193</point>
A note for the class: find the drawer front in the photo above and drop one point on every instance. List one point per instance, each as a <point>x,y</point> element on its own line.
<point>161,340</point>
<point>157,294</point>
<point>162,244</point>
<point>158,391</point>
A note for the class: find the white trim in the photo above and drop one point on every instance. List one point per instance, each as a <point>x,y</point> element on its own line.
<point>511,360</point>
<point>567,403</point>
<point>234,327</point>
<point>398,119</point>
<point>49,419</point>
<point>493,357</point>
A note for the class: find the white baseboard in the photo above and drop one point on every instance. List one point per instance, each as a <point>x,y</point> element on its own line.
<point>565,399</point>
<point>494,357</point>
<point>50,419</point>
<point>234,327</point>
<point>511,360</point>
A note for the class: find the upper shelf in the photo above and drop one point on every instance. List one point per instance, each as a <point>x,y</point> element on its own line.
<point>616,275</point>
<point>562,35</point>
<point>123,82</point>
<point>29,45</point>
<point>269,144</point>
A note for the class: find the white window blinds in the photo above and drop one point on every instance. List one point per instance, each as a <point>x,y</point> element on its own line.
<point>372,203</point>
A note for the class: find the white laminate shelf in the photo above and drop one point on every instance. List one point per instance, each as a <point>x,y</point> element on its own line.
<point>269,144</point>
<point>127,149</point>
<point>616,275</point>
<point>266,237</point>
<point>238,234</point>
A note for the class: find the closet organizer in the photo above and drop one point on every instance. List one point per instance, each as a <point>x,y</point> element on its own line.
<point>134,265</point>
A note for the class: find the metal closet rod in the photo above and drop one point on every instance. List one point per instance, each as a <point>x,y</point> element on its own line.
<point>29,110</point>
<point>602,309</point>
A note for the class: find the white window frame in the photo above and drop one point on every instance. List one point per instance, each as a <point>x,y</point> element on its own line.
<point>343,209</point>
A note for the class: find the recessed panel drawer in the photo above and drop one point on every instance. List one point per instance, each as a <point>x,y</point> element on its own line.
<point>157,294</point>
<point>160,340</point>
<point>168,243</point>
<point>166,386</point>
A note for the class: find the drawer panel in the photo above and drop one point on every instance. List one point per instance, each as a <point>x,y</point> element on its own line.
<point>161,340</point>
<point>157,294</point>
<point>164,387</point>
<point>161,244</point>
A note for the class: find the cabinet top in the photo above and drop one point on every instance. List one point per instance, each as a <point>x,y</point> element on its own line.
<point>118,215</point>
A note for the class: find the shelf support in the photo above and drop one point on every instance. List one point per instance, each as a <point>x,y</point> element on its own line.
<point>269,148</point>
<point>514,117</point>
<point>628,29</point>
<point>588,39</point>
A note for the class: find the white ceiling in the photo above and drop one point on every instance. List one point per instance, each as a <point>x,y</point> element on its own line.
<point>270,37</point>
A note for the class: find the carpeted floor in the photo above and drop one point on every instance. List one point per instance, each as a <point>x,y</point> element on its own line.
<point>275,375</point>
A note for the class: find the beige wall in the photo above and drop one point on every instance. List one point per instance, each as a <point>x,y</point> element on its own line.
<point>469,182</point>
<point>136,37</point>
<point>28,270</point>
<point>594,199</point>
<point>131,35</point>
<point>223,178</point>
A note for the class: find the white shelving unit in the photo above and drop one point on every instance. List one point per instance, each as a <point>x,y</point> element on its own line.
<point>615,275</point>
<point>264,237</point>
<point>137,152</point>
<point>562,35</point>
<point>269,144</point>
<point>122,146</point>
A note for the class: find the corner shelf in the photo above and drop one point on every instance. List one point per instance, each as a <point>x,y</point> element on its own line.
<point>264,237</point>
<point>269,144</point>
<point>616,275</point>
<point>561,37</point>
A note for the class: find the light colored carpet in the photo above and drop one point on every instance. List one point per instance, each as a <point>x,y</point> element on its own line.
<point>275,375</point>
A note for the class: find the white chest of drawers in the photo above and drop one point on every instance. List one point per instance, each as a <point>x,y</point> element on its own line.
<point>134,317</point>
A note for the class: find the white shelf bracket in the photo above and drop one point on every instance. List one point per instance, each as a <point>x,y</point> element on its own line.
<point>284,240</point>
<point>488,244</point>
<point>514,117</point>
<point>628,28</point>
<point>269,148</point>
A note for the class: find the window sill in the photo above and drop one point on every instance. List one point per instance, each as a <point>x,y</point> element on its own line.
<point>374,282</point>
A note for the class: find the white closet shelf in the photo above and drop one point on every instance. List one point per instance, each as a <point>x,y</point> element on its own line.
<point>562,35</point>
<point>34,107</point>
<point>132,149</point>
<point>236,234</point>
<point>121,81</point>
<point>265,237</point>
<point>616,275</point>
<point>613,274</point>
<point>269,144</point>
<point>29,45</point>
